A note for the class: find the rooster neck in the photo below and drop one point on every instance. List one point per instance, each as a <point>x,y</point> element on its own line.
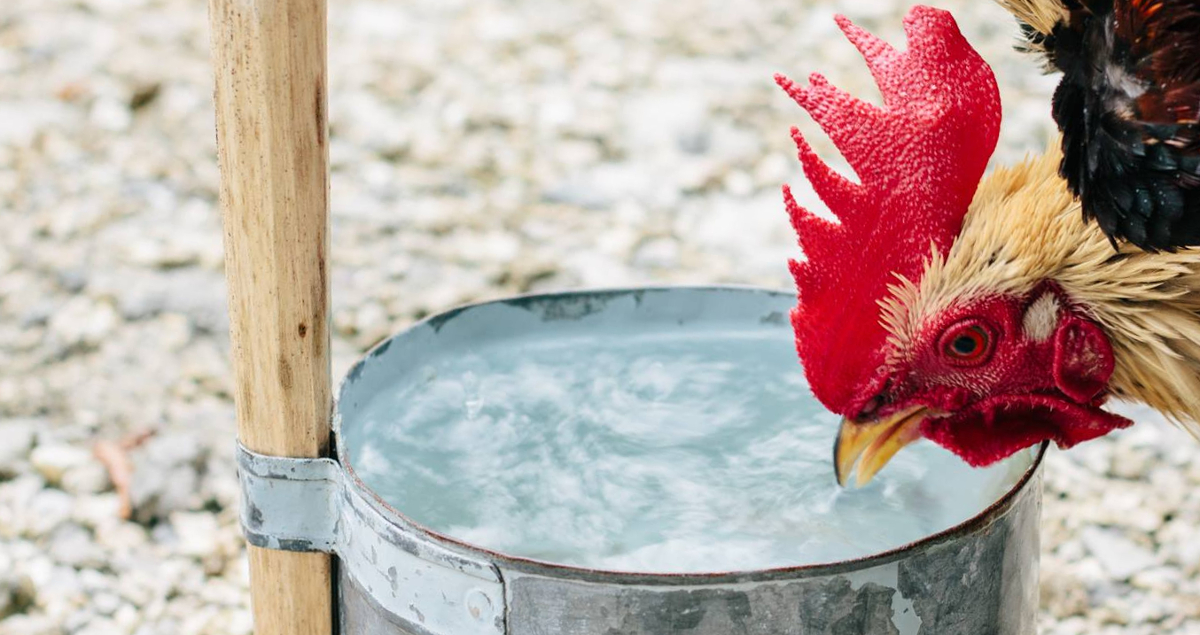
<point>1025,229</point>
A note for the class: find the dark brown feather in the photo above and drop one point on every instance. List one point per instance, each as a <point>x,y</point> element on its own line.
<point>1128,107</point>
<point>1164,44</point>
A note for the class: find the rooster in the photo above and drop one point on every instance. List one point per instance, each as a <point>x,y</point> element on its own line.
<point>982,312</point>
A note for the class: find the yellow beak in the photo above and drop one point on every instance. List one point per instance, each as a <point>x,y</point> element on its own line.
<point>873,443</point>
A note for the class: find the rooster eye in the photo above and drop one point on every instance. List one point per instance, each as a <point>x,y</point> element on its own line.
<point>967,344</point>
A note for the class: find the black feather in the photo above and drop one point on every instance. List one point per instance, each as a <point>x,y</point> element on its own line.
<point>1128,107</point>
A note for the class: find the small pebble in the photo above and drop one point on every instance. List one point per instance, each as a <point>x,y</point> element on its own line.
<point>197,533</point>
<point>18,437</point>
<point>1121,557</point>
<point>48,509</point>
<point>53,461</point>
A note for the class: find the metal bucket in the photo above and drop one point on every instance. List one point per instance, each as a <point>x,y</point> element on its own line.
<point>396,577</point>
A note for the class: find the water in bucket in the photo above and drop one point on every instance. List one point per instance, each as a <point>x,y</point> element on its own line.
<point>665,451</point>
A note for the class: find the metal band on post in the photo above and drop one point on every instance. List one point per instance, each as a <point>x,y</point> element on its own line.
<point>305,505</point>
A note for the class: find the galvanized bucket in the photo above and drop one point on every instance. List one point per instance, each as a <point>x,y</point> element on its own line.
<point>397,577</point>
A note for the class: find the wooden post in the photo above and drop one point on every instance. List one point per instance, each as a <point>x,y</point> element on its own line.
<point>269,60</point>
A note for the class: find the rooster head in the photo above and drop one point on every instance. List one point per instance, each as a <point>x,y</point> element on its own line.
<point>890,339</point>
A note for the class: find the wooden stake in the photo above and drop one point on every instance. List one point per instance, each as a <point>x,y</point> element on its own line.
<point>269,59</point>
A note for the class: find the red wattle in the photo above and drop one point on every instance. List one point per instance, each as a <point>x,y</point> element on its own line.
<point>996,428</point>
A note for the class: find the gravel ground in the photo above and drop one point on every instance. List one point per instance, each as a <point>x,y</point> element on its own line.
<point>479,149</point>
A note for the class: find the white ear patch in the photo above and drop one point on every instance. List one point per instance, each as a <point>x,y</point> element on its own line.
<point>1041,317</point>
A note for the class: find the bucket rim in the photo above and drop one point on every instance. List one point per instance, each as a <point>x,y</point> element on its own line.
<point>507,562</point>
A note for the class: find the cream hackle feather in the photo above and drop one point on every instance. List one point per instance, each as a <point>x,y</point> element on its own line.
<point>1024,227</point>
<point>1042,15</point>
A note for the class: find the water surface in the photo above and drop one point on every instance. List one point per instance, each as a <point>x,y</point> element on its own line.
<point>665,451</point>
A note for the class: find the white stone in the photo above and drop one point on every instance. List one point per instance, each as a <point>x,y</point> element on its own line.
<point>21,120</point>
<point>72,545</point>
<point>371,317</point>
<point>196,532</point>
<point>736,145</point>
<point>89,478</point>
<point>1149,608</point>
<point>94,581</point>
<point>241,622</point>
<point>128,617</point>
<point>101,626</point>
<point>16,439</point>
<point>657,253</point>
<point>659,120</point>
<point>774,170</point>
<point>97,510</point>
<point>1180,547</point>
<point>111,114</point>
<point>83,322</point>
<point>58,584</point>
<point>30,625</point>
<point>1063,594</point>
<point>53,461</point>
<point>47,510</point>
<point>739,183</point>
<point>1120,556</point>
<point>1130,462</point>
<point>106,603</point>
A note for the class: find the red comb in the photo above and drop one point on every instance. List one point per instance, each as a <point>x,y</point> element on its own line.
<point>919,159</point>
